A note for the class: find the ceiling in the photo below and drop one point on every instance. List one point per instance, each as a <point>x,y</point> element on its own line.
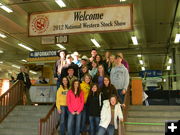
<point>155,25</point>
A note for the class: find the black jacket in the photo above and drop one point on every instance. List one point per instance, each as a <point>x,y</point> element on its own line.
<point>26,80</point>
<point>108,91</point>
<point>94,104</point>
<point>76,69</point>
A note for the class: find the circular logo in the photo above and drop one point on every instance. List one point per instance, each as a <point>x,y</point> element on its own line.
<point>40,24</point>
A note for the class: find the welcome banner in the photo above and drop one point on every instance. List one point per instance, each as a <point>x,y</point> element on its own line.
<point>86,20</point>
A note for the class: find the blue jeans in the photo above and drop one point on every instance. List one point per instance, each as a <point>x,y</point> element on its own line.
<point>109,130</point>
<point>84,119</point>
<point>74,123</point>
<point>94,124</point>
<point>121,95</point>
<point>63,120</point>
<point>58,81</point>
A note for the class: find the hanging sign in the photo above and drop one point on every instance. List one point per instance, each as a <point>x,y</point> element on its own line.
<point>86,20</point>
<point>150,73</point>
<point>42,56</point>
<point>37,54</point>
<point>46,40</point>
<point>61,39</point>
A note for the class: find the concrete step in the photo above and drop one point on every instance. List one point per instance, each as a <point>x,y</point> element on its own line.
<point>31,113</point>
<point>27,115</point>
<point>154,108</point>
<point>32,107</point>
<point>150,120</point>
<point>21,119</point>
<point>143,133</point>
<point>145,128</point>
<point>154,114</point>
<point>150,114</point>
<point>24,125</point>
<point>18,131</point>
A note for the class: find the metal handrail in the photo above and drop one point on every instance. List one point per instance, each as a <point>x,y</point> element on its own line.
<point>48,124</point>
<point>12,97</point>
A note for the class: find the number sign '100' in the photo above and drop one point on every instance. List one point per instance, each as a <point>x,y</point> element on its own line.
<point>61,39</point>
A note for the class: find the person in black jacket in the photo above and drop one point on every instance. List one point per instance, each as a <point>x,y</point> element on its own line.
<point>84,70</point>
<point>27,83</point>
<point>70,63</point>
<point>94,103</point>
<point>108,89</point>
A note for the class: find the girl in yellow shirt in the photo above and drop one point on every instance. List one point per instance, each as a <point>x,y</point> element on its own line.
<point>85,87</point>
<point>62,105</point>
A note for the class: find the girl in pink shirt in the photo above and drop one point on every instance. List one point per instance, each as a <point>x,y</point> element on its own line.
<point>75,103</point>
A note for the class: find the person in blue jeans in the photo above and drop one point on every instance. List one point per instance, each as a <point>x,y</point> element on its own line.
<point>110,113</point>
<point>62,105</point>
<point>94,103</point>
<point>119,76</point>
<point>74,124</point>
<point>121,94</point>
<point>75,103</point>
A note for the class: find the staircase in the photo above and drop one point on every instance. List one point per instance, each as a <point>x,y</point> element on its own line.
<point>157,115</point>
<point>23,120</point>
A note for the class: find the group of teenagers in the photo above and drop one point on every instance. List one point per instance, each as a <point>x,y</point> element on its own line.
<point>90,93</point>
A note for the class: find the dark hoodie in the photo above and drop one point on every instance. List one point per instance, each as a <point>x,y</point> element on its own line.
<point>94,103</point>
<point>108,91</point>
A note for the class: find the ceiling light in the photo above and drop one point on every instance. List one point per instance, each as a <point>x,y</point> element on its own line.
<point>60,46</point>
<point>95,43</point>
<point>170,61</point>
<point>24,60</point>
<point>2,35</point>
<point>60,3</point>
<point>5,8</point>
<point>141,62</point>
<point>134,40</point>
<point>16,66</point>
<point>168,67</point>
<point>1,51</point>
<point>139,55</point>
<point>142,68</point>
<point>33,72</point>
<point>122,0</point>
<point>177,38</point>
<point>1,62</point>
<point>27,48</point>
